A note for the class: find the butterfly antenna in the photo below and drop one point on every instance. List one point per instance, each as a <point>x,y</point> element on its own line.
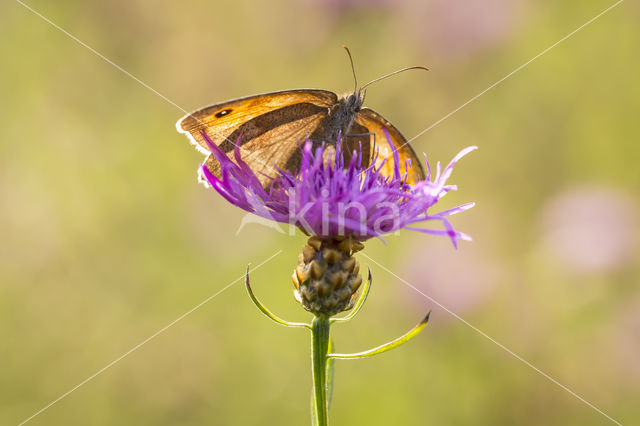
<point>353,70</point>
<point>394,73</point>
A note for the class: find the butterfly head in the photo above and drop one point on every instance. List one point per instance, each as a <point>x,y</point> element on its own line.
<point>353,102</point>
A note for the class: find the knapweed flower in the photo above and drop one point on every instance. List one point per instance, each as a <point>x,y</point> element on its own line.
<point>339,205</point>
<point>334,199</point>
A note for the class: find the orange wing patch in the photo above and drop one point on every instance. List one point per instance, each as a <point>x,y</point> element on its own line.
<point>375,123</point>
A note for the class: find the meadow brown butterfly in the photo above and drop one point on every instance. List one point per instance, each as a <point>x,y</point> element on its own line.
<point>270,127</point>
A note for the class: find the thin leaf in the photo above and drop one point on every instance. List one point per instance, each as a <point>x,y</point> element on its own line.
<point>267,312</point>
<point>387,346</point>
<point>330,375</point>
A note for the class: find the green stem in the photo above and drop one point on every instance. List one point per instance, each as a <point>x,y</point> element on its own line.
<point>319,349</point>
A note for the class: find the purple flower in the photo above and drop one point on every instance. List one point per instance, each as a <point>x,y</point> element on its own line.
<point>329,198</point>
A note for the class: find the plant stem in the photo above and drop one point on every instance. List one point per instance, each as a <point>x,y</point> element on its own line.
<point>319,349</point>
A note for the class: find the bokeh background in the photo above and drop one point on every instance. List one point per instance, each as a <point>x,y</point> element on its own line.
<point>106,237</point>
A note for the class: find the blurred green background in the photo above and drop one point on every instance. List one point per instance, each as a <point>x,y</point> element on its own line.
<point>107,237</point>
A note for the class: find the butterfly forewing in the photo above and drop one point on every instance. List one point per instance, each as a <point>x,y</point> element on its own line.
<point>220,121</point>
<point>272,150</point>
<point>267,128</point>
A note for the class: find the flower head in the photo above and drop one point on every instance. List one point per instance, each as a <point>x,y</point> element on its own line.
<point>330,198</point>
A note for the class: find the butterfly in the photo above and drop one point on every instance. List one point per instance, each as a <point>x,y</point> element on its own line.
<point>269,128</point>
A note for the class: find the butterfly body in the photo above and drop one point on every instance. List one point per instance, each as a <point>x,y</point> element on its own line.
<point>268,129</point>
<point>341,117</point>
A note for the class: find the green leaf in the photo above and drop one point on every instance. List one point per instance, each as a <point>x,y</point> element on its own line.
<point>267,312</point>
<point>387,346</point>
<point>330,375</point>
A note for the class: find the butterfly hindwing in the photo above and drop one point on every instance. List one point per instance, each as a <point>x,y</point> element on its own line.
<point>380,145</point>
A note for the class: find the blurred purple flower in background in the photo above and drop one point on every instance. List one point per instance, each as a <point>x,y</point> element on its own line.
<point>591,229</point>
<point>454,29</point>
<point>331,198</point>
<point>338,5</point>
<point>460,281</point>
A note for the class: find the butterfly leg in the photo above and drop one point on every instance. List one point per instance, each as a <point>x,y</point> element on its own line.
<point>363,144</point>
<point>357,135</point>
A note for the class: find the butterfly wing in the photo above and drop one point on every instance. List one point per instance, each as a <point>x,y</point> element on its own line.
<point>267,128</point>
<point>374,124</point>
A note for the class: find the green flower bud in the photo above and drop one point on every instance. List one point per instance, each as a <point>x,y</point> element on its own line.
<point>327,277</point>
